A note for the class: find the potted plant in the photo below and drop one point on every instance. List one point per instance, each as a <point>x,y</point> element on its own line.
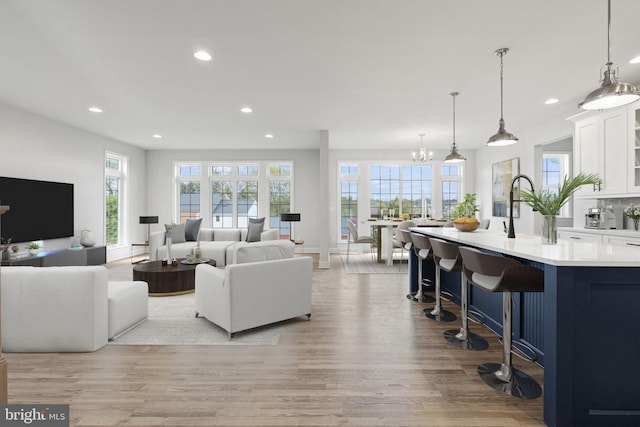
<point>549,203</point>
<point>467,208</point>
<point>34,248</point>
<point>464,213</point>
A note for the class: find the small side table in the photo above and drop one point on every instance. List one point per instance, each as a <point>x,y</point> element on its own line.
<point>145,244</point>
<point>298,243</point>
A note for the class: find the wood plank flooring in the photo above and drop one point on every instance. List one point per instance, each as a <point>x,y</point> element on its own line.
<point>367,358</point>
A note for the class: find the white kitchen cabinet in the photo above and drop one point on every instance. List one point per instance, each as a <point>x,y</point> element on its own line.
<point>621,241</point>
<point>600,146</point>
<point>583,237</point>
<point>634,147</point>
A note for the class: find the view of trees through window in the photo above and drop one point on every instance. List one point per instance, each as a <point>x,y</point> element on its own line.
<point>280,197</point>
<point>400,190</point>
<point>113,201</point>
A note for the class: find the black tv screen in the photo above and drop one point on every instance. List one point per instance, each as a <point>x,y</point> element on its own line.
<point>39,210</point>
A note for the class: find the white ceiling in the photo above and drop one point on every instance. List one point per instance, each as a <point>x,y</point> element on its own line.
<point>372,73</point>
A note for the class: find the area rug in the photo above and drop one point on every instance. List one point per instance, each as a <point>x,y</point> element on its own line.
<point>363,264</point>
<point>172,321</point>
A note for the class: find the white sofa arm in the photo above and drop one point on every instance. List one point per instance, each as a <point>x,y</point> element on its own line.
<point>210,292</point>
<point>271,234</point>
<point>156,239</point>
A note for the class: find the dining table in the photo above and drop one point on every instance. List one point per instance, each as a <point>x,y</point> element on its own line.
<point>387,226</point>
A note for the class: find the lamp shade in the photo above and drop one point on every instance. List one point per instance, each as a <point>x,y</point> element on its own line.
<point>290,217</point>
<point>148,220</point>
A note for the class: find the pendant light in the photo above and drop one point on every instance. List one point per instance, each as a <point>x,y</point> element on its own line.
<point>454,156</point>
<point>502,137</point>
<point>612,93</point>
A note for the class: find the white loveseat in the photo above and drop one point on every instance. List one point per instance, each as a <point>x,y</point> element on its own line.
<point>66,309</point>
<point>213,243</point>
<point>246,295</point>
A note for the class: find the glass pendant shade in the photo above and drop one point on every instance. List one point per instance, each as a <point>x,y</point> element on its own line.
<point>611,93</point>
<point>454,156</point>
<point>502,137</point>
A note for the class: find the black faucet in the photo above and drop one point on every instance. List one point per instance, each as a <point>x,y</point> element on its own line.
<point>511,234</point>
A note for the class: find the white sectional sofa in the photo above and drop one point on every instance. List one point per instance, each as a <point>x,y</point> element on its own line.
<point>266,284</point>
<point>66,309</point>
<point>213,243</point>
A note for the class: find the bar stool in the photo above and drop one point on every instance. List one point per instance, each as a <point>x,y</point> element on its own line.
<point>437,313</point>
<point>495,273</point>
<point>450,261</point>
<point>422,249</point>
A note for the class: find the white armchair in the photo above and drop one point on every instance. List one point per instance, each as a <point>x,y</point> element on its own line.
<point>245,296</point>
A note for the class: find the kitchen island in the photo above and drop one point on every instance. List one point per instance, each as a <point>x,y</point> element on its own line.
<point>583,325</point>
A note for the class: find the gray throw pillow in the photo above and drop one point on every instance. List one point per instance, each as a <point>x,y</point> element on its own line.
<point>255,229</point>
<point>191,229</point>
<point>175,232</point>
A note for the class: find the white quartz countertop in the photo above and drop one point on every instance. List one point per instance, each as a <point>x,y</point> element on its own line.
<point>528,246</point>
<point>602,231</point>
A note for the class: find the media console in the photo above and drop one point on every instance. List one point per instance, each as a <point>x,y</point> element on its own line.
<point>96,255</point>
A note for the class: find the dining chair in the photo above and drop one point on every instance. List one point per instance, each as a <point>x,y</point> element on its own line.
<point>398,242</point>
<point>355,238</point>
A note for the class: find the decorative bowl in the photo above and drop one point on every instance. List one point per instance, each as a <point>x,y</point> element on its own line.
<point>466,226</point>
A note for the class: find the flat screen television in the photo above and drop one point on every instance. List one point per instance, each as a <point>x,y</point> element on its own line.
<point>39,210</point>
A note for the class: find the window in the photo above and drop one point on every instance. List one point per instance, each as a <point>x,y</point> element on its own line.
<point>384,190</point>
<point>247,194</point>
<point>348,198</point>
<point>555,166</point>
<point>115,180</point>
<point>233,192</point>
<point>451,188</point>
<point>279,176</point>
<point>416,190</point>
<point>189,194</point>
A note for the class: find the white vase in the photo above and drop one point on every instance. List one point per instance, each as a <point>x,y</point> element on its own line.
<point>169,249</point>
<point>87,238</point>
<point>34,251</point>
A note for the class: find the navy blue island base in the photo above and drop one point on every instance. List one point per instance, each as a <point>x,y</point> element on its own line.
<point>583,327</point>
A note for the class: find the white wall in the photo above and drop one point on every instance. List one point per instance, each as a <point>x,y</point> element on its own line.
<point>34,147</point>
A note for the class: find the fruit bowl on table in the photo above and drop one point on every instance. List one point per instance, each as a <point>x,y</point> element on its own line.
<point>466,226</point>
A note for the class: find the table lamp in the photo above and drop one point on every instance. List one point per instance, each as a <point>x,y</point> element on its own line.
<point>290,217</point>
<point>148,220</point>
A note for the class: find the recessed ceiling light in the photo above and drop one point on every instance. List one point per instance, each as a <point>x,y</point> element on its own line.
<point>552,101</point>
<point>246,110</point>
<point>635,60</point>
<point>268,136</point>
<point>202,55</point>
<point>157,136</point>
<point>95,109</point>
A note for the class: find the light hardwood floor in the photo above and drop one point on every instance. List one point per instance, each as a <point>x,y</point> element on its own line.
<point>367,358</point>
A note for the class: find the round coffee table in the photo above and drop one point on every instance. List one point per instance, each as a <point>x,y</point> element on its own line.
<point>164,280</point>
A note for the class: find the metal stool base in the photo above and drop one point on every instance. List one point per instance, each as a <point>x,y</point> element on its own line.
<point>521,384</point>
<point>473,341</point>
<point>444,316</point>
<point>427,298</point>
